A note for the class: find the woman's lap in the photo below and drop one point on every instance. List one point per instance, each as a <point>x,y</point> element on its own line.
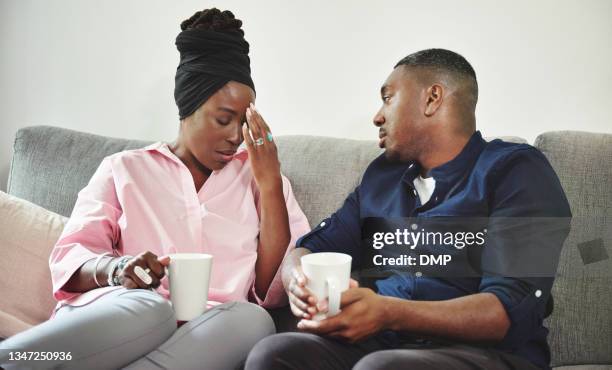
<point>107,333</point>
<point>219,339</point>
<point>125,325</point>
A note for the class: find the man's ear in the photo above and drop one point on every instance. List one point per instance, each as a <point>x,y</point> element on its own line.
<point>433,99</point>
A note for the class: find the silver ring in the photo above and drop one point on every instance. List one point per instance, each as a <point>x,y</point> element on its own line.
<point>259,141</point>
<point>143,274</point>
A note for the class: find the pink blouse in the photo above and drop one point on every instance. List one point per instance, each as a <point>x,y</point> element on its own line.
<point>145,199</point>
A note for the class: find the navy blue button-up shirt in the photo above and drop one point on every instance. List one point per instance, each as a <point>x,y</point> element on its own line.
<point>487,179</point>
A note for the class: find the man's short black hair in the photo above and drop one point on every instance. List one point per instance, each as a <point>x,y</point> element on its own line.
<point>444,61</point>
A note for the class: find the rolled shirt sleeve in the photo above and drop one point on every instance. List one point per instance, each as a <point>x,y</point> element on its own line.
<point>91,230</point>
<point>298,226</point>
<point>529,221</point>
<point>339,233</point>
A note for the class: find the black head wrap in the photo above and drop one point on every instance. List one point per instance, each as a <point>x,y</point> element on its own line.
<point>209,60</point>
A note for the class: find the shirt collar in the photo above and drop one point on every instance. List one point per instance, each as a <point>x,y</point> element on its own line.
<point>450,171</point>
<point>163,149</point>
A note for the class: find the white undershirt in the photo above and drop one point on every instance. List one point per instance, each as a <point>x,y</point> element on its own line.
<point>424,187</point>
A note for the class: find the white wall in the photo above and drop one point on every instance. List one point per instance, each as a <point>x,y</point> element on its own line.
<point>107,67</point>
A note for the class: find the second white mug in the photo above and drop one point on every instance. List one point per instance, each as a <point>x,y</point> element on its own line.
<point>328,275</point>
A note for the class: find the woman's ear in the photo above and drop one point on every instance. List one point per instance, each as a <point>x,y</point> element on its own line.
<point>433,99</point>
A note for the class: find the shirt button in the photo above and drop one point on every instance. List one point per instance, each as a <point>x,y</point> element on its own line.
<point>538,293</point>
<point>322,224</point>
<point>418,274</point>
<point>414,192</point>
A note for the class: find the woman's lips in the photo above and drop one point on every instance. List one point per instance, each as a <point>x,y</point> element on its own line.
<point>226,156</point>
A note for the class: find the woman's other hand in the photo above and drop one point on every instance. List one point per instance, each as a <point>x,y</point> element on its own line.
<point>262,151</point>
<point>302,302</point>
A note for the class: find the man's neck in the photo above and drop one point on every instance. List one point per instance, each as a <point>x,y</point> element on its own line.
<point>442,149</point>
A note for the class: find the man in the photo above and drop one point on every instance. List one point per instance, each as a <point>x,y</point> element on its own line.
<point>435,164</point>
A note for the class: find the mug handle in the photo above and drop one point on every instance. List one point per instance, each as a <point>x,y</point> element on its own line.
<point>333,296</point>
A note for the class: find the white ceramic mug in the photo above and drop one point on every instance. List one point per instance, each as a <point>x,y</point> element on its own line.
<point>189,277</point>
<point>327,275</point>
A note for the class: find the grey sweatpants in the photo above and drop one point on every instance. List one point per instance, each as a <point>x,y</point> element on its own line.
<point>137,329</point>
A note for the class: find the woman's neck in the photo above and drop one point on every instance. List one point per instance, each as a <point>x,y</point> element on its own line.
<point>199,172</point>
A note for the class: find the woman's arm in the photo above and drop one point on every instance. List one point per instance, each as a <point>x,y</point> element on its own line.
<point>274,236</point>
<point>83,278</point>
<point>91,231</point>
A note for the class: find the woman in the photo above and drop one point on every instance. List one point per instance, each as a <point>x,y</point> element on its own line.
<point>198,194</point>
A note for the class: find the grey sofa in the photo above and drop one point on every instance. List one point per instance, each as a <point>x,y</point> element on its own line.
<point>50,165</point>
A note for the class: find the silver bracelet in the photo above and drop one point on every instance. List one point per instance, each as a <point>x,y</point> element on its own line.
<point>111,271</point>
<point>95,273</point>
<point>114,276</point>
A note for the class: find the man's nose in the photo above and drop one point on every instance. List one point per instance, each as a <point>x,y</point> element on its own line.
<point>379,119</point>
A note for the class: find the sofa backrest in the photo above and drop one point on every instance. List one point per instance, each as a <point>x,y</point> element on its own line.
<point>323,170</point>
<point>581,323</point>
<point>51,165</point>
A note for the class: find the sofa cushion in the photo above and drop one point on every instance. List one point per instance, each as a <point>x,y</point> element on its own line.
<point>27,235</point>
<point>581,323</point>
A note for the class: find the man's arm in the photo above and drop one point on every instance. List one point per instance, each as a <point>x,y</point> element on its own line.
<point>477,317</point>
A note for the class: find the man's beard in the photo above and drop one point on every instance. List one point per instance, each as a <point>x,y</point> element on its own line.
<point>397,157</point>
<point>392,156</point>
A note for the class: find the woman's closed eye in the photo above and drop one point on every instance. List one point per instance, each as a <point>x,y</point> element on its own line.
<point>224,121</point>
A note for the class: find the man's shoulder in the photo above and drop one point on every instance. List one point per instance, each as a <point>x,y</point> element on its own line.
<point>498,155</point>
<point>521,167</point>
